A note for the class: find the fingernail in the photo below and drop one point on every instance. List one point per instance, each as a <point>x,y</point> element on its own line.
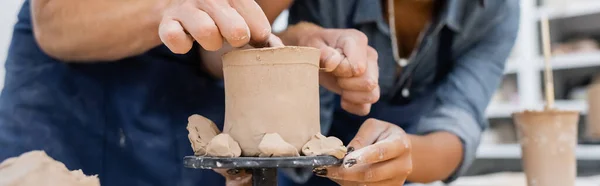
<point>320,171</point>
<point>349,163</point>
<point>350,149</point>
<point>233,172</point>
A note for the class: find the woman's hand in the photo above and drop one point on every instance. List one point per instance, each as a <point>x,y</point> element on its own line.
<point>381,156</point>
<point>349,64</point>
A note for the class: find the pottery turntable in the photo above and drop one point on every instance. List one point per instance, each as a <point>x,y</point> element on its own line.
<point>264,169</point>
<point>271,117</point>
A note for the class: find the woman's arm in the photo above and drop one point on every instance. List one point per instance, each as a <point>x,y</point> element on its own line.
<point>451,132</point>
<point>434,156</point>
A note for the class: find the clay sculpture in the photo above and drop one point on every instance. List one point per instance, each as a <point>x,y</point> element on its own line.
<point>36,168</point>
<point>271,107</point>
<point>271,90</point>
<point>548,141</point>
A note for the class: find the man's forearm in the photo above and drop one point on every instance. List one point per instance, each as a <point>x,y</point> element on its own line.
<point>96,30</point>
<point>435,156</point>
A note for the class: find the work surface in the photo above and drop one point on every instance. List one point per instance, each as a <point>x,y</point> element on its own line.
<point>506,179</point>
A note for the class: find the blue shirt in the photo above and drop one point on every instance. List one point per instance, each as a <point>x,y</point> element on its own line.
<point>126,120</point>
<point>447,83</point>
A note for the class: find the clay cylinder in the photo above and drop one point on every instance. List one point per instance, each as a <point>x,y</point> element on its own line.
<point>592,127</point>
<point>548,142</point>
<point>271,90</point>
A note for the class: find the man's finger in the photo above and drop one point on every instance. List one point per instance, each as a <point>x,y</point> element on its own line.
<point>202,28</point>
<point>231,24</point>
<point>260,28</point>
<point>172,34</point>
<point>361,97</point>
<point>274,41</point>
<point>358,109</point>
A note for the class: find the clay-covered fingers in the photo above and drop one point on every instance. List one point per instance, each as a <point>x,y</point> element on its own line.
<point>377,141</point>
<point>209,22</point>
<point>369,80</point>
<point>334,61</point>
<point>231,24</point>
<point>378,155</point>
<point>387,149</point>
<point>174,36</point>
<point>368,133</point>
<point>201,27</point>
<point>239,21</point>
<point>371,174</point>
<point>359,93</point>
<point>347,52</point>
<point>355,46</point>
<point>361,90</point>
<point>260,28</point>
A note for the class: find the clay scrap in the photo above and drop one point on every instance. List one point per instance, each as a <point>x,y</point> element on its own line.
<point>201,131</point>
<point>272,145</point>
<point>223,145</point>
<point>36,168</point>
<point>321,145</point>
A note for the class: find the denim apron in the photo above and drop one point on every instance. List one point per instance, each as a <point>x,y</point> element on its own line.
<point>124,121</point>
<point>346,125</point>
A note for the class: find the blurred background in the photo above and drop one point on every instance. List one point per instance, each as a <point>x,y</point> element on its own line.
<point>575,33</point>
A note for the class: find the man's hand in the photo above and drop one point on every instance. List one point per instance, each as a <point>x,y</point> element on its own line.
<point>381,157</point>
<point>239,22</point>
<point>349,66</point>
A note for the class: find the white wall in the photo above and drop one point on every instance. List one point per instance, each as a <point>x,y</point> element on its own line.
<point>8,17</point>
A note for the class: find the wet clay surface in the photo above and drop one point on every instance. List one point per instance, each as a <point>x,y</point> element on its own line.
<point>321,145</point>
<point>223,145</point>
<point>272,145</point>
<point>271,90</point>
<point>36,168</point>
<point>201,131</point>
<point>548,141</point>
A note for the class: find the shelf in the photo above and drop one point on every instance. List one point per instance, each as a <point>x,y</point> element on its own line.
<point>501,110</point>
<point>511,66</point>
<point>575,60</point>
<point>513,151</point>
<point>574,105</point>
<point>570,9</point>
<point>505,110</point>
